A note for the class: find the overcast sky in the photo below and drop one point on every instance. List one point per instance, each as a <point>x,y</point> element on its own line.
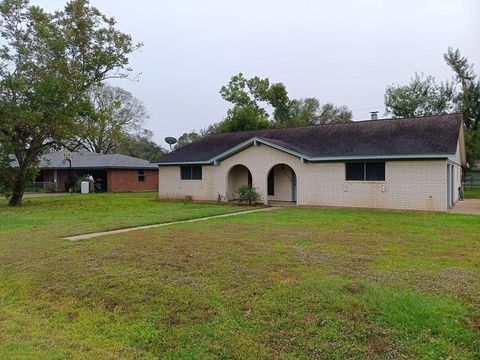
<point>340,51</point>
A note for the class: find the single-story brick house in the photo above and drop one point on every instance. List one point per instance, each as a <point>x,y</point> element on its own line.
<point>111,172</point>
<point>407,163</point>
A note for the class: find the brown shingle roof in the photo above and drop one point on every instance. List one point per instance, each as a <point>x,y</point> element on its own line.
<point>433,135</point>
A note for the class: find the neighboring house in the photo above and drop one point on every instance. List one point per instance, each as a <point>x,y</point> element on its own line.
<point>411,163</point>
<point>111,172</point>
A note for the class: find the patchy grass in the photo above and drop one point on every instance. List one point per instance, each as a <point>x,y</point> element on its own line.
<point>77,214</point>
<point>291,283</point>
<point>472,193</point>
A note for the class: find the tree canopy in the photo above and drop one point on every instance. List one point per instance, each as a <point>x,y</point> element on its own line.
<point>140,145</point>
<point>187,138</point>
<point>259,104</point>
<point>242,118</point>
<point>308,111</point>
<point>425,96</point>
<point>468,97</point>
<point>114,116</point>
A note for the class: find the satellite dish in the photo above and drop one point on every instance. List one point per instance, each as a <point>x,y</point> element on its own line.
<point>170,141</point>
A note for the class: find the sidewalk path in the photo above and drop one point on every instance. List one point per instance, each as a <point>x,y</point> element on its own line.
<point>42,195</point>
<point>120,231</point>
<point>467,206</point>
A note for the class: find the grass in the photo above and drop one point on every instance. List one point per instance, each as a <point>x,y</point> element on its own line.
<point>287,284</point>
<point>472,193</point>
<point>77,214</point>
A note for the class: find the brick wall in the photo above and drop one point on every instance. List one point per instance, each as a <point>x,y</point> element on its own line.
<point>119,180</point>
<point>414,185</point>
<point>62,176</point>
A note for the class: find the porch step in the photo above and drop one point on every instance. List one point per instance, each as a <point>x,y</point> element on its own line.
<point>282,203</point>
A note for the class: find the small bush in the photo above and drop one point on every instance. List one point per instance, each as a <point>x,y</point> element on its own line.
<point>73,183</point>
<point>247,194</point>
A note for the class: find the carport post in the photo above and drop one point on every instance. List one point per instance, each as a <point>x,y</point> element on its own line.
<point>264,190</point>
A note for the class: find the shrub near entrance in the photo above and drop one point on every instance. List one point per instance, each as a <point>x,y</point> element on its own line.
<point>247,194</point>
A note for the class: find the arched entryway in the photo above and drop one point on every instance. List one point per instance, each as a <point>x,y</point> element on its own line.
<point>282,184</point>
<point>237,176</point>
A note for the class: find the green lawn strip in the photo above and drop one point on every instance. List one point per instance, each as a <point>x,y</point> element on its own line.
<point>472,193</point>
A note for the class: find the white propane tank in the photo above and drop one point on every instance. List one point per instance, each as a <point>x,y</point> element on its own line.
<point>84,186</point>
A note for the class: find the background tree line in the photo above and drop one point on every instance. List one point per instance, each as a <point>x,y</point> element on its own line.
<point>424,96</point>
<point>258,104</point>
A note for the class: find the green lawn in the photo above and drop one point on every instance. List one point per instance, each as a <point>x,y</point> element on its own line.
<point>472,193</point>
<point>76,214</point>
<point>290,283</point>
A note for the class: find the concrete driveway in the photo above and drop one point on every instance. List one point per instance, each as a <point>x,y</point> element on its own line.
<point>467,206</point>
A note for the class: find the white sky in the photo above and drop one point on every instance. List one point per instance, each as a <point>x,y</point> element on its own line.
<point>340,51</point>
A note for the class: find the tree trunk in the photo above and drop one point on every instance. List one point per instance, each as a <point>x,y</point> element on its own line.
<point>19,187</point>
<point>17,197</point>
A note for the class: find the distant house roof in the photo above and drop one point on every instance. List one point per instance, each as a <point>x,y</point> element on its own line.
<point>422,137</point>
<point>89,160</point>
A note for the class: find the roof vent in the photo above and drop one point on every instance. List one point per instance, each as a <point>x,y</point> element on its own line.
<point>373,115</point>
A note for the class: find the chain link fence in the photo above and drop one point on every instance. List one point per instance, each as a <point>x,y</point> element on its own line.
<point>42,186</point>
<point>472,180</point>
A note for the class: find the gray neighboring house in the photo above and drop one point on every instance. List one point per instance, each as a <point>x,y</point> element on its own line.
<point>405,163</point>
<point>111,172</point>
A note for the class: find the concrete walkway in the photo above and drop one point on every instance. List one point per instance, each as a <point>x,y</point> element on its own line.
<point>120,231</point>
<point>467,206</point>
<point>43,195</point>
